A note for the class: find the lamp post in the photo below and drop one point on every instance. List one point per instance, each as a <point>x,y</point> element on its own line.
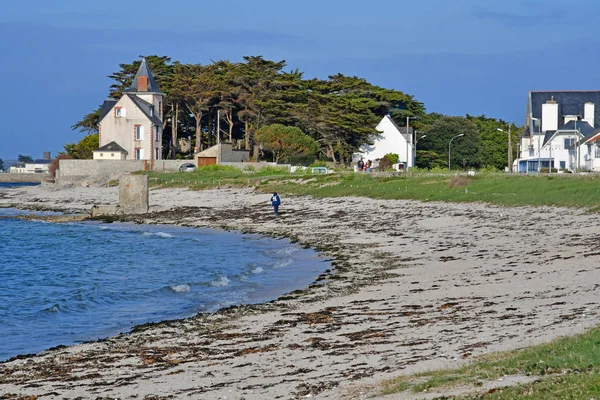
<point>450,147</point>
<point>407,141</point>
<point>539,165</point>
<point>509,148</point>
<point>415,148</point>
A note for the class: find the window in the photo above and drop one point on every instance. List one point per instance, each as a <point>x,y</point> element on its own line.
<point>569,143</point>
<point>157,138</point>
<point>160,109</point>
<point>152,111</point>
<point>597,152</point>
<point>101,154</point>
<point>139,153</point>
<point>563,164</point>
<point>157,156</point>
<point>120,112</point>
<point>139,132</point>
<point>112,154</point>
<point>531,151</point>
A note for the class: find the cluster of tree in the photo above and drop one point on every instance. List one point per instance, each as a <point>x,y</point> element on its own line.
<point>338,113</point>
<point>483,144</point>
<point>1,165</point>
<point>261,107</point>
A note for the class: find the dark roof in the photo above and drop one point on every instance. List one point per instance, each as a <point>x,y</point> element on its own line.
<point>570,102</point>
<point>112,146</point>
<point>582,126</point>
<point>402,130</point>
<point>526,133</point>
<point>41,161</point>
<point>105,108</point>
<point>548,136</point>
<point>144,70</point>
<point>147,109</point>
<point>591,135</point>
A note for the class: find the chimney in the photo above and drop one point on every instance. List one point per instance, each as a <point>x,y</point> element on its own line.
<point>588,113</point>
<point>550,115</point>
<point>46,155</point>
<point>142,83</point>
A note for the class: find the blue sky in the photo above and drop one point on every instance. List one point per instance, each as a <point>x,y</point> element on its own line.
<point>458,57</point>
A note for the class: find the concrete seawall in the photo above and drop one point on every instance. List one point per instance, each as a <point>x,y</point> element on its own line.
<point>32,178</point>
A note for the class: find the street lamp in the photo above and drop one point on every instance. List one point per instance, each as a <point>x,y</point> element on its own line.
<point>509,148</point>
<point>407,141</point>
<point>415,148</point>
<point>539,166</point>
<point>450,146</point>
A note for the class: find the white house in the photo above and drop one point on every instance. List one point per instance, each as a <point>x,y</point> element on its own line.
<point>110,151</point>
<point>134,122</point>
<point>390,139</point>
<point>39,166</point>
<point>562,131</point>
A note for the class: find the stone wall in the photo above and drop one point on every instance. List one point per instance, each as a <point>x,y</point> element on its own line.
<point>71,171</point>
<point>31,178</point>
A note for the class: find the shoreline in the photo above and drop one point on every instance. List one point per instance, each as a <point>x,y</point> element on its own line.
<point>415,286</point>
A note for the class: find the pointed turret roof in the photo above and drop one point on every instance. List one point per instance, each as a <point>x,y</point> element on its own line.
<point>144,70</point>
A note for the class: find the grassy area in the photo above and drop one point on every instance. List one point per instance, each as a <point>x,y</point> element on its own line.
<point>556,190</point>
<point>568,368</point>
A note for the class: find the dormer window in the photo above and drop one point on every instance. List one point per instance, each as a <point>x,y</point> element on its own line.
<point>120,112</point>
<point>152,111</point>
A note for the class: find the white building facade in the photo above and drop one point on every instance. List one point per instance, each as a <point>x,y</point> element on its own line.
<point>562,132</point>
<point>390,139</point>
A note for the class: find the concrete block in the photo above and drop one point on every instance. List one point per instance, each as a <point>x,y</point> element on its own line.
<point>103,210</point>
<point>133,194</point>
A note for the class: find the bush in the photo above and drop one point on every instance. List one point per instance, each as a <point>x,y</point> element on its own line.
<point>318,164</point>
<point>54,164</point>
<point>217,168</point>
<point>392,158</point>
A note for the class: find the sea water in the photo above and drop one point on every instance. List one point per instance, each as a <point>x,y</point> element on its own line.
<point>62,284</point>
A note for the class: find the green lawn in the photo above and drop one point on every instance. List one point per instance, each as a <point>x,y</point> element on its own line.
<point>507,190</point>
<point>567,368</point>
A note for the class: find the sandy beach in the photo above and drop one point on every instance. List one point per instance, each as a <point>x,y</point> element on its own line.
<point>415,286</point>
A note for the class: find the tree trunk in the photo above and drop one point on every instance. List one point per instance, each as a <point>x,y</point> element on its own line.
<point>210,128</point>
<point>247,134</point>
<point>174,127</point>
<point>332,152</point>
<point>199,145</point>
<point>230,122</point>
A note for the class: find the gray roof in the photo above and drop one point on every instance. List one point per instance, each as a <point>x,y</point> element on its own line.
<point>105,108</point>
<point>112,146</point>
<point>570,102</point>
<point>144,70</point>
<point>402,130</point>
<point>526,133</point>
<point>41,161</point>
<point>590,135</point>
<point>147,109</point>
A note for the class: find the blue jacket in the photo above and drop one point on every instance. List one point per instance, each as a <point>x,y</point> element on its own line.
<point>275,200</point>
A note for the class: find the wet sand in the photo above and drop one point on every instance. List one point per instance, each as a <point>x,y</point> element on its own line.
<point>416,286</point>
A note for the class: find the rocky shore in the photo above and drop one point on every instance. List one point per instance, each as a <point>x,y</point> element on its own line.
<point>415,286</point>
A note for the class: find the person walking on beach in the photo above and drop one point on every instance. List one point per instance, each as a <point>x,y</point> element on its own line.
<point>275,202</point>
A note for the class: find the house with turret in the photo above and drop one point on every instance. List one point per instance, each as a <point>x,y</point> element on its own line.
<point>131,128</point>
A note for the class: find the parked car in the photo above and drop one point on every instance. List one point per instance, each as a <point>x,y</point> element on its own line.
<point>187,167</point>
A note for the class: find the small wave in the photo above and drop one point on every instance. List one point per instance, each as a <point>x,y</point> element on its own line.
<point>180,288</point>
<point>222,281</point>
<point>258,270</point>
<point>54,309</point>
<point>164,235</point>
<point>283,263</point>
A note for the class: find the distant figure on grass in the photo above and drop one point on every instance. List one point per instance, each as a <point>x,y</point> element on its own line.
<point>275,202</point>
<point>360,164</point>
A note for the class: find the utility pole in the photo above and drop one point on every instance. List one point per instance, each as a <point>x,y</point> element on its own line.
<point>408,142</point>
<point>509,151</point>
